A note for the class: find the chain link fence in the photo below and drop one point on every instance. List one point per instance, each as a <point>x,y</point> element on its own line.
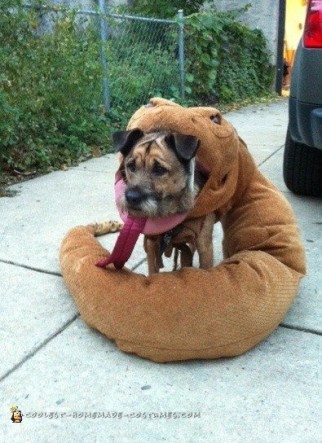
<point>143,59</point>
<point>140,57</point>
<point>69,78</point>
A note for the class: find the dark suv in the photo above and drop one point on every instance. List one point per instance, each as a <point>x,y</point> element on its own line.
<point>303,147</point>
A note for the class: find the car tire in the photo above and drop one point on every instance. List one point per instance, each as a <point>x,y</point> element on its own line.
<point>302,168</point>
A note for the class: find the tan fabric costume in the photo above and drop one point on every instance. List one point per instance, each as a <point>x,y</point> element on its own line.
<point>194,313</point>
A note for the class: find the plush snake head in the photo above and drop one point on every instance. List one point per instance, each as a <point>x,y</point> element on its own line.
<point>217,152</point>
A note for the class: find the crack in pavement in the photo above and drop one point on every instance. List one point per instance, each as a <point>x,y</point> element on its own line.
<point>299,328</point>
<point>38,348</point>
<point>270,156</point>
<point>76,316</point>
<point>56,274</point>
<point>30,268</point>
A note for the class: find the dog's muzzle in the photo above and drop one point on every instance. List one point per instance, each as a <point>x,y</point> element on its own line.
<point>153,226</point>
<point>135,197</point>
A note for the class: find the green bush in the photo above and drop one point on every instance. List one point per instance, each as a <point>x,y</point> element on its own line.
<point>164,8</point>
<point>142,63</point>
<point>50,90</point>
<point>225,60</point>
<point>51,111</point>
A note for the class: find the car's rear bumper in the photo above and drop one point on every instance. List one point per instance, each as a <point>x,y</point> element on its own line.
<point>305,123</point>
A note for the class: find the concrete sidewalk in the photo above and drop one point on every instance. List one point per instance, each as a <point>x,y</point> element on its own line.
<point>60,373</point>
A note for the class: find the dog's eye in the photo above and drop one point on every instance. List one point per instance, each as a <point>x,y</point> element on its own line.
<point>158,169</point>
<point>131,166</point>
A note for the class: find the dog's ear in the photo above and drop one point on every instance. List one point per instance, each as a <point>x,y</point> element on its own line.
<point>184,145</point>
<point>123,141</point>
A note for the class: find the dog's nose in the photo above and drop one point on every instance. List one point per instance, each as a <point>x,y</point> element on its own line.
<point>134,197</point>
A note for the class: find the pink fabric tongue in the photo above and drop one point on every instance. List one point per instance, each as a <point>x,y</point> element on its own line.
<point>125,243</point>
<point>133,227</point>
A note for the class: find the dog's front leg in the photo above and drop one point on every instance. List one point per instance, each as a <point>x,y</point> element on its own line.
<point>204,243</point>
<point>152,249</point>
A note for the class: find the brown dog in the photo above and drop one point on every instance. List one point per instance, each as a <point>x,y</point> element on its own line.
<point>161,179</point>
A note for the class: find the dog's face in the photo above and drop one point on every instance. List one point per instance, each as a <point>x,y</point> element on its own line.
<point>158,171</point>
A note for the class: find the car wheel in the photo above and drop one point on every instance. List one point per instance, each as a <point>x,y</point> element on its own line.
<point>302,168</point>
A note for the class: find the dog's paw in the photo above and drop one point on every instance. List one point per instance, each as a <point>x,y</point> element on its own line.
<point>106,227</point>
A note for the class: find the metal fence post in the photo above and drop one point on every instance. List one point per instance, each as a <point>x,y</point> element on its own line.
<point>104,61</point>
<point>181,52</point>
